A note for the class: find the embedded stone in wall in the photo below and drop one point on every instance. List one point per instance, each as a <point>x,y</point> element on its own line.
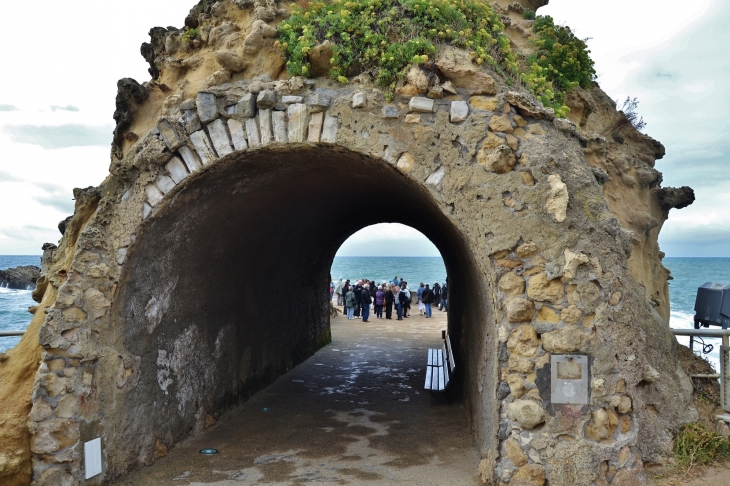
<point>420,104</point>
<point>207,105</point>
<point>266,99</point>
<point>318,102</point>
<point>512,284</point>
<point>523,341</point>
<point>459,111</point>
<point>266,127</point>
<point>191,121</point>
<point>602,425</point>
<point>543,290</point>
<point>518,309</point>
<point>219,137</point>
<point>527,413</point>
<point>202,145</point>
<point>252,130</point>
<point>165,183</point>
<point>405,163</point>
<point>238,136</point>
<point>500,124</point>
<point>484,103</point>
<point>529,475</point>
<point>247,106</point>
<point>436,177</point>
<point>315,127</point>
<point>500,160</point>
<point>278,121</point>
<point>329,129</point>
<point>557,200</point>
<point>567,340</point>
<point>192,161</point>
<point>572,262</point>
<point>297,114</point>
<point>290,99</point>
<point>154,195</point>
<point>170,134</point>
<point>177,170</point>
<point>358,100</point>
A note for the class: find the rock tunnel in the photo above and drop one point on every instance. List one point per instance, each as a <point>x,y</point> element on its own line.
<point>195,274</point>
<point>225,290</point>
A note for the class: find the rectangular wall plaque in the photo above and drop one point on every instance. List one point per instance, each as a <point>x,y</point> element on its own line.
<point>569,379</point>
<point>92,457</point>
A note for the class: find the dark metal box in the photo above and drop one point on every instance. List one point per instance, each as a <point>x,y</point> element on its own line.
<point>712,306</point>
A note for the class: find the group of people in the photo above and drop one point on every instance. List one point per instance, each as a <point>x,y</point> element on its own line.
<point>357,297</point>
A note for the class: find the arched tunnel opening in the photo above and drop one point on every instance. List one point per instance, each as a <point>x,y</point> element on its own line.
<point>224,288</point>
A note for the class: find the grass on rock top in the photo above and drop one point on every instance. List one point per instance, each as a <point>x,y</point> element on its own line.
<point>385,37</point>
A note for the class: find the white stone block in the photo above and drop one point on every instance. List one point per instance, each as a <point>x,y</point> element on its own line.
<point>165,183</point>
<point>315,127</point>
<point>121,255</point>
<point>297,122</point>
<point>459,111</point>
<point>278,120</point>
<point>154,195</point>
<point>437,177</point>
<point>265,127</point>
<point>252,131</point>
<point>176,168</point>
<point>247,106</point>
<point>329,129</point>
<point>146,210</point>
<point>420,104</point>
<point>290,100</point>
<point>358,100</point>
<point>238,135</point>
<point>191,158</point>
<point>203,146</point>
<point>219,137</point>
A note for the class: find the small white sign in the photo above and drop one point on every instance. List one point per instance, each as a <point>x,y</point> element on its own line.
<point>92,457</point>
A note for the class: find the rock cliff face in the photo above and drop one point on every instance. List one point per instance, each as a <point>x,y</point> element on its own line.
<point>22,278</point>
<point>548,228</point>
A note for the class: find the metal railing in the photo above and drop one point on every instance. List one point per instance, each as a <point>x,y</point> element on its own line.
<point>724,375</point>
<point>11,333</point>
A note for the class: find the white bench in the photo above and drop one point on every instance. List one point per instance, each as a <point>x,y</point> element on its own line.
<point>440,367</point>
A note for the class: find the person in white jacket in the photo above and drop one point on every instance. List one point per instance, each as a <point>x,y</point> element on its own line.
<point>338,291</point>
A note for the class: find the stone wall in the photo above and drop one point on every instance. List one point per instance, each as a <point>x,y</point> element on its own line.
<point>161,303</point>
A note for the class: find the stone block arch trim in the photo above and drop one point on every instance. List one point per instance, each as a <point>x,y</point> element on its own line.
<point>509,199</point>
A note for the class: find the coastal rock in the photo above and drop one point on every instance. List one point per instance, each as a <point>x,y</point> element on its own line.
<point>20,278</point>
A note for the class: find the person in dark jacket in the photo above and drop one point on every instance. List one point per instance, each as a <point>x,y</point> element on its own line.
<point>379,301</point>
<point>444,306</point>
<point>427,299</point>
<point>373,289</point>
<point>358,296</point>
<point>436,293</point>
<point>365,300</point>
<point>346,287</point>
<point>389,302</point>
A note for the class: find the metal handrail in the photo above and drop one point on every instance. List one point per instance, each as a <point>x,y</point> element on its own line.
<point>724,375</point>
<point>11,333</point>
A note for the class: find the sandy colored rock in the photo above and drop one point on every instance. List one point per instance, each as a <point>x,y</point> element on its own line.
<point>573,260</point>
<point>624,405</point>
<point>512,284</point>
<point>519,364</point>
<point>547,315</point>
<point>457,66</point>
<point>491,142</point>
<point>557,200</point>
<point>319,59</point>
<point>527,178</point>
<point>624,423</point>
<point>527,413</point>
<point>567,340</point>
<point>602,425</point>
<point>615,298</point>
<point>523,341</point>
<point>571,314</point>
<point>527,249</point>
<point>518,309</point>
<point>500,160</point>
<point>516,385</point>
<point>405,163</point>
<point>500,124</point>
<point>484,103</point>
<point>540,289</point>
<point>514,453</point>
<point>536,129</point>
<point>530,475</point>
<point>513,142</point>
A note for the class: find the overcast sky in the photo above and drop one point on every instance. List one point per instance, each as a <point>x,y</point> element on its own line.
<point>63,60</point>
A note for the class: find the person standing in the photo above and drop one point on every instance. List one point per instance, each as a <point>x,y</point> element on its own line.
<point>406,299</point>
<point>346,287</point>
<point>395,280</point>
<point>338,291</point>
<point>365,300</point>
<point>427,297</point>
<point>350,303</point>
<point>397,300</point>
<point>389,302</point>
<point>358,297</point>
<point>419,294</point>
<point>444,306</point>
<point>379,301</point>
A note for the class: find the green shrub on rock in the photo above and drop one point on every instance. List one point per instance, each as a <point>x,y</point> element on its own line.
<point>384,37</point>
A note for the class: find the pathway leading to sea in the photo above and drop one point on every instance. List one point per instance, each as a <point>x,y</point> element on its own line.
<point>355,413</point>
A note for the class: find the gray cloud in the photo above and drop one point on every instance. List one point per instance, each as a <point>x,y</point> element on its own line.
<point>61,136</point>
<point>6,177</point>
<point>8,108</point>
<point>704,241</point>
<point>64,108</point>
<point>57,197</point>
<point>30,233</point>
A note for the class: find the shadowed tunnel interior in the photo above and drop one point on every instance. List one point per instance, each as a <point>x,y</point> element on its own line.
<point>227,288</point>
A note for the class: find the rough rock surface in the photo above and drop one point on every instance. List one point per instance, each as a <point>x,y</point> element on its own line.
<point>141,345</point>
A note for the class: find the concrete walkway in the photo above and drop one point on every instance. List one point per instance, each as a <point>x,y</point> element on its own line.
<point>354,413</point>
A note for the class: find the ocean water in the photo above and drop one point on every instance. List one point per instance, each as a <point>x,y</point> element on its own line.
<point>14,303</point>
<point>413,270</point>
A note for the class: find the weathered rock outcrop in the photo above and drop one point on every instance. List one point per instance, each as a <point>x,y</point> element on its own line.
<point>548,228</point>
<point>22,278</point>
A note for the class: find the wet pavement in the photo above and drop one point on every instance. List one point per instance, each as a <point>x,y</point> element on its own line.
<point>354,413</point>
